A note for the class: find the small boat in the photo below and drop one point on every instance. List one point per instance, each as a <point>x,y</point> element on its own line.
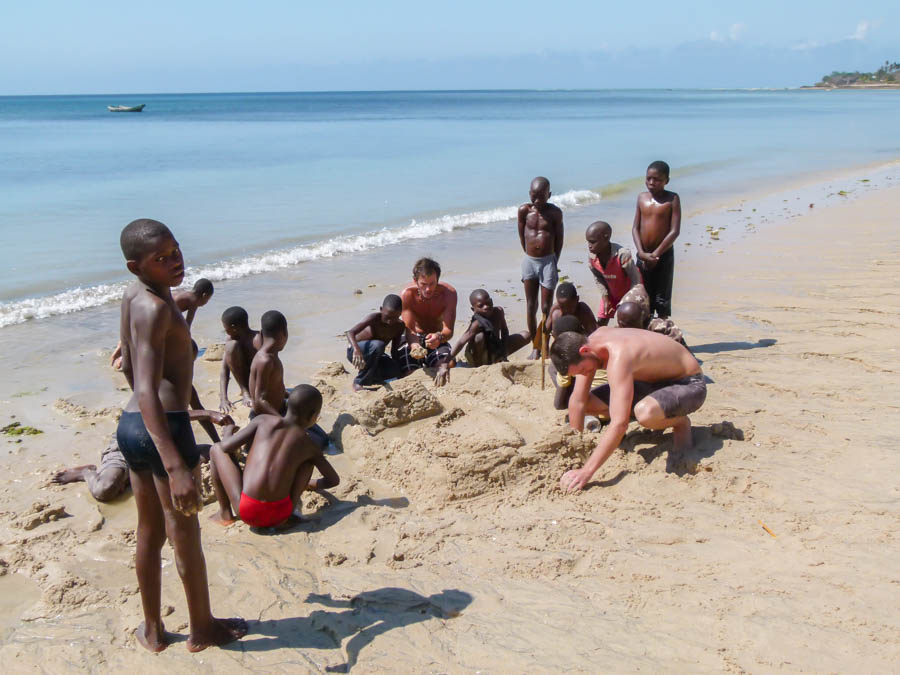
<point>126,108</point>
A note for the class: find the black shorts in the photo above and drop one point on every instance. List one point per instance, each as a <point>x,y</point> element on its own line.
<point>139,450</point>
<point>677,398</point>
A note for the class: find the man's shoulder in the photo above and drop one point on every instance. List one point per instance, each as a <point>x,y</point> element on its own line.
<point>447,287</point>
<point>409,289</point>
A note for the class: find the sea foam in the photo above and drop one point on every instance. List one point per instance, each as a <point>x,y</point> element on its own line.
<point>80,298</point>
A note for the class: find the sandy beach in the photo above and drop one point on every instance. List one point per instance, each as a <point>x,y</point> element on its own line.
<point>448,546</point>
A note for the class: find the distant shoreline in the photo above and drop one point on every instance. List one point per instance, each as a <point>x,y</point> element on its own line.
<point>876,85</point>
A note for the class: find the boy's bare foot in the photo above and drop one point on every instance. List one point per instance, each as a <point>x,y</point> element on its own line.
<point>535,354</point>
<point>681,434</point>
<point>152,640</point>
<point>72,475</point>
<point>220,518</point>
<point>220,632</point>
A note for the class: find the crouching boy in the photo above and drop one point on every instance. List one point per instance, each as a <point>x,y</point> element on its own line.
<point>279,465</point>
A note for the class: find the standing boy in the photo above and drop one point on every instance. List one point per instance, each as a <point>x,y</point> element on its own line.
<point>155,436</point>
<point>279,465</point>
<point>612,267</point>
<point>541,236</point>
<point>657,223</point>
<point>487,339</point>
<point>368,340</point>
<point>242,345</point>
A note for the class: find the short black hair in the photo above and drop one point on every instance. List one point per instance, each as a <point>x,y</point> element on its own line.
<point>425,267</point>
<point>305,401</point>
<point>565,351</point>
<point>630,315</point>
<point>540,183</point>
<point>235,316</point>
<point>477,293</point>
<point>660,166</point>
<point>569,323</point>
<point>137,236</point>
<point>203,287</point>
<point>566,291</point>
<point>272,323</point>
<point>392,302</point>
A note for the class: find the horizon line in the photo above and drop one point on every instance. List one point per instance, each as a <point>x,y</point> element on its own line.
<point>402,91</point>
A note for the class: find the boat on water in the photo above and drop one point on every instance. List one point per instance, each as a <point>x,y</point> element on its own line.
<point>126,108</point>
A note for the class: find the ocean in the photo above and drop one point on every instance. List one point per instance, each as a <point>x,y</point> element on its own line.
<point>253,183</point>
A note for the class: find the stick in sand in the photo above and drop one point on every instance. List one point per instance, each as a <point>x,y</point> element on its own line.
<point>543,351</point>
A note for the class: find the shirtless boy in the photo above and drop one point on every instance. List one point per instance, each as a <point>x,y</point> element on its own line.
<point>569,304</point>
<point>541,235</point>
<point>279,466</point>
<point>155,436</point>
<point>612,267</point>
<point>192,300</point>
<point>429,312</point>
<point>657,223</point>
<point>266,381</point>
<point>487,340</point>
<point>370,337</point>
<point>242,345</point>
<point>563,383</point>
<point>650,376</point>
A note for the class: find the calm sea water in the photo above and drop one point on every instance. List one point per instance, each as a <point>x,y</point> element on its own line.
<point>255,182</point>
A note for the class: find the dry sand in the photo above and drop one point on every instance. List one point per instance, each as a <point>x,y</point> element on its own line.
<point>449,548</point>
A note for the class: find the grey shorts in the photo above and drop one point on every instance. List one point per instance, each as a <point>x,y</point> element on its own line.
<point>543,269</point>
<point>112,458</point>
<point>677,398</point>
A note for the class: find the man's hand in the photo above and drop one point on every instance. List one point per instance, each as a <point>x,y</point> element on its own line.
<point>573,481</point>
<point>185,496</point>
<point>432,340</point>
<point>225,406</point>
<point>442,376</point>
<point>359,361</point>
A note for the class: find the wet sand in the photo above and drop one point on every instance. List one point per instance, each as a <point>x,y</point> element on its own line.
<point>448,546</point>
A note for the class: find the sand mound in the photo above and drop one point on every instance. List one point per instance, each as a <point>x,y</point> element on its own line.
<point>77,411</point>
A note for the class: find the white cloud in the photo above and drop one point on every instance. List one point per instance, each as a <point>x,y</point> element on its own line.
<point>862,30</point>
<point>733,34</point>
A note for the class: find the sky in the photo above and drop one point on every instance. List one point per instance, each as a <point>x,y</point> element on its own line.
<point>62,47</point>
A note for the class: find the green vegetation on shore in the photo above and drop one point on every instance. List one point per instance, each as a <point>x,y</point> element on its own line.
<point>888,74</point>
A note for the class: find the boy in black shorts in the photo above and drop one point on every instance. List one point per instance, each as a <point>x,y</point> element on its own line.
<point>156,440</point>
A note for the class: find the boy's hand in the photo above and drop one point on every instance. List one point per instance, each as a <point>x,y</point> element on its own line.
<point>442,376</point>
<point>225,406</point>
<point>247,400</point>
<point>185,496</point>
<point>359,361</point>
<point>221,419</point>
<point>432,340</point>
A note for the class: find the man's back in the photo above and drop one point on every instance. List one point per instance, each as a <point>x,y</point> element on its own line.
<point>278,450</point>
<point>151,323</point>
<point>647,356</point>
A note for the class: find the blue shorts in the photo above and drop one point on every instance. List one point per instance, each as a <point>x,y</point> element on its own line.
<point>543,269</point>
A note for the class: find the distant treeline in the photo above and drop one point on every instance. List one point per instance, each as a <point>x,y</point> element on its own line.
<point>889,73</point>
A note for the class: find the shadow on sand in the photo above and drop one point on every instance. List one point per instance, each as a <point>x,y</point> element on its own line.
<point>362,619</point>
<point>708,440</point>
<point>716,347</point>
<point>334,512</point>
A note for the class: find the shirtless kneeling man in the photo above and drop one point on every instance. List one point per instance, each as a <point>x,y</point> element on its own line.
<point>650,376</point>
